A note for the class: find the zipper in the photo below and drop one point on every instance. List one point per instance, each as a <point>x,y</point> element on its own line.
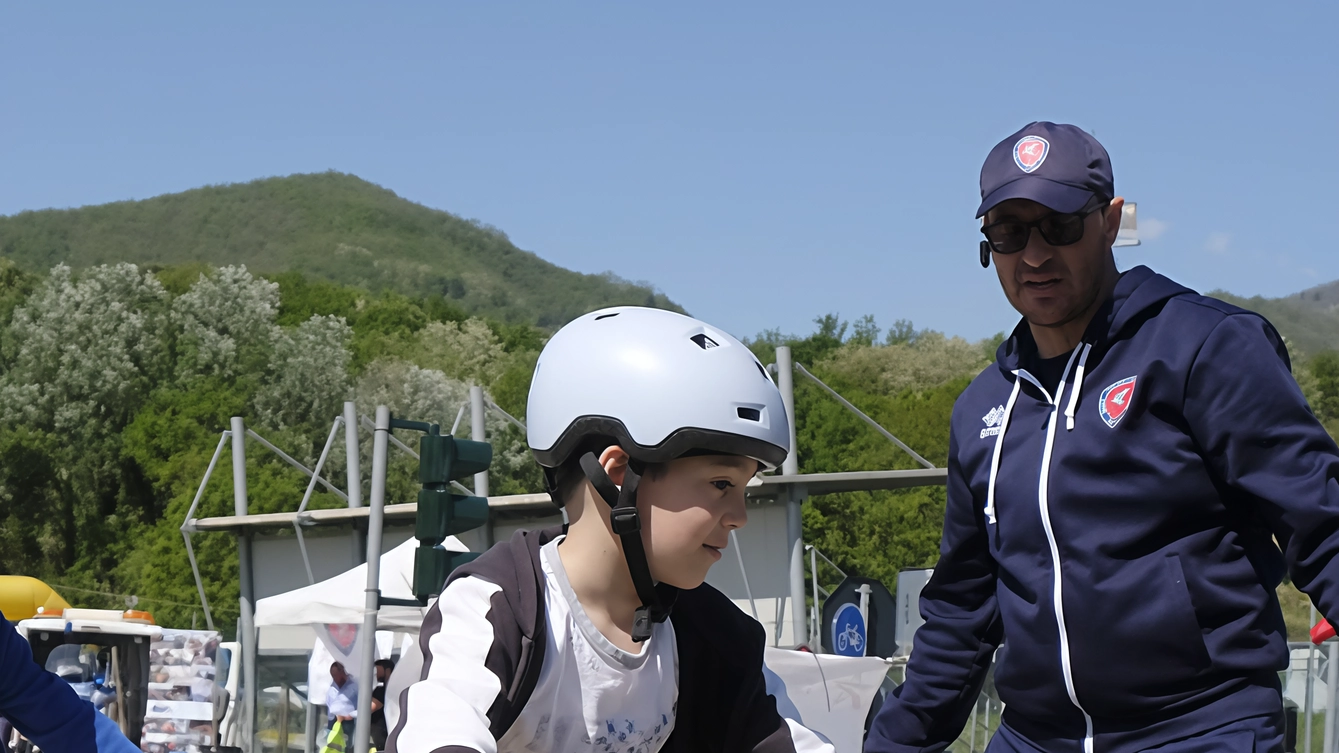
<point>1043,502</point>
<point>1044,505</point>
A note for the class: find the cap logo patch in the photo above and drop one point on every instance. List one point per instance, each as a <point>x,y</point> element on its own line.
<point>1030,152</point>
<point>1116,400</point>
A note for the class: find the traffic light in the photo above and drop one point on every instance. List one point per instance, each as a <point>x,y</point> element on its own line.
<point>442,513</point>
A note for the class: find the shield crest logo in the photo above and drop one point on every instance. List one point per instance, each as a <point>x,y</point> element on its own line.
<point>343,636</point>
<point>1116,400</point>
<point>1030,152</point>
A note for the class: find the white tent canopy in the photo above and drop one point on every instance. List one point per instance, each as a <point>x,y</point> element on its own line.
<point>339,600</point>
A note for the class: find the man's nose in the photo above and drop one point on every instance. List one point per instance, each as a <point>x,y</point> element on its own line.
<point>1037,251</point>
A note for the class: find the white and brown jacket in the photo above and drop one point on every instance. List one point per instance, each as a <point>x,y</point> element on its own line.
<point>483,652</point>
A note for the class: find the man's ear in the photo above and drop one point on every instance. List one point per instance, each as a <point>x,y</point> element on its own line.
<point>1112,216</point>
<point>615,462</point>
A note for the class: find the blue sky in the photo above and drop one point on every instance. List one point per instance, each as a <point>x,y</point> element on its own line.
<point>762,163</point>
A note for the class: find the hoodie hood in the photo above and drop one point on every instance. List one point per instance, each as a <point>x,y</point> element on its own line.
<point>1140,293</point>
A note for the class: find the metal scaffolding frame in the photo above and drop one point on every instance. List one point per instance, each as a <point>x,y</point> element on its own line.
<point>789,486</point>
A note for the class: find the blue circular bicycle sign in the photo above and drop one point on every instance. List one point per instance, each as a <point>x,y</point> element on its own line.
<point>848,631</point>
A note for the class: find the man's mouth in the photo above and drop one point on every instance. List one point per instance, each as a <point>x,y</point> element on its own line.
<point>1041,285</point>
<point>713,549</point>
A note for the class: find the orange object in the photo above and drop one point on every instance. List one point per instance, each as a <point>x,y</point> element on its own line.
<point>138,615</point>
<point>1322,632</point>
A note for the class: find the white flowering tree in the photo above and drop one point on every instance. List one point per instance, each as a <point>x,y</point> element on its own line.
<point>226,322</point>
<point>468,350</point>
<point>307,380</point>
<point>429,395</point>
<point>85,351</point>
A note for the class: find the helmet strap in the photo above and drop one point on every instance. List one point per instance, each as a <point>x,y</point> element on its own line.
<point>626,524</point>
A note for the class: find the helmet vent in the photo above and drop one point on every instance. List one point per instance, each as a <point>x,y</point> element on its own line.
<point>704,342</point>
<point>606,316</point>
<point>749,414</point>
<point>762,371</point>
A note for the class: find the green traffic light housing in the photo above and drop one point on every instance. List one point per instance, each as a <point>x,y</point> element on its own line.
<point>441,513</point>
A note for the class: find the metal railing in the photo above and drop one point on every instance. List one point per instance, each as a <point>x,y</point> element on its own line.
<point>817,593</point>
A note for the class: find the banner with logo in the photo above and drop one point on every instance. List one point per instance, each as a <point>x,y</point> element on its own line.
<point>179,716</point>
<point>341,643</point>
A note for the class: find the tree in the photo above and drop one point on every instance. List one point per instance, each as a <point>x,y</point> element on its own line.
<point>1320,382</point>
<point>226,321</point>
<point>84,352</point>
<point>307,380</point>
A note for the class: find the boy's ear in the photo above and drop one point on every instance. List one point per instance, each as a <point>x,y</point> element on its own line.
<point>615,463</point>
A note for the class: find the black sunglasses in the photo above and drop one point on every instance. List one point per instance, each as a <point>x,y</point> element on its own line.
<point>1009,236</point>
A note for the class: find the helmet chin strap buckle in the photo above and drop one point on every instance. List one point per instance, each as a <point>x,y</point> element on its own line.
<point>641,624</point>
<point>625,521</point>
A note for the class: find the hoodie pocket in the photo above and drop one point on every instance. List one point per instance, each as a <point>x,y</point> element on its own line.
<point>1149,621</point>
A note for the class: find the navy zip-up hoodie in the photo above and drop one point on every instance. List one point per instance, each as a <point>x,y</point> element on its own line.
<point>1119,535</point>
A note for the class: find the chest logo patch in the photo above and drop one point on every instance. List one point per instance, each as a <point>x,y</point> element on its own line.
<point>993,420</point>
<point>1116,400</point>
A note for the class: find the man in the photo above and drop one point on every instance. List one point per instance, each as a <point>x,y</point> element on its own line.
<point>379,731</point>
<point>341,700</point>
<point>1117,483</point>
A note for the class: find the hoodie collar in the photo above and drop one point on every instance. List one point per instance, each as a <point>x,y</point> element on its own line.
<point>1139,293</point>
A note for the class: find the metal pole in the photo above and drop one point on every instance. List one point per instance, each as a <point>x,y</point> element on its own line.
<point>309,731</point>
<point>864,591</point>
<point>818,613</point>
<point>849,406</point>
<point>362,735</point>
<point>478,433</point>
<point>1331,680</point>
<point>246,626</point>
<point>355,477</point>
<point>283,720</point>
<point>971,745</point>
<point>1308,704</point>
<point>785,380</point>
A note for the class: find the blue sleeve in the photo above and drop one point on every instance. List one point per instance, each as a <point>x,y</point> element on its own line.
<point>38,703</point>
<point>953,649</point>
<point>1263,443</point>
<point>109,737</point>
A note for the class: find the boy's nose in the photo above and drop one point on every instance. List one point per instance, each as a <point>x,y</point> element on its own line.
<point>736,515</point>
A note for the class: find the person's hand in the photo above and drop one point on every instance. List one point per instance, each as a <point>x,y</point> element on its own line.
<point>344,718</point>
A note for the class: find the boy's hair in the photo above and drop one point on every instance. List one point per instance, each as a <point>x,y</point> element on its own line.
<point>387,664</point>
<point>566,480</point>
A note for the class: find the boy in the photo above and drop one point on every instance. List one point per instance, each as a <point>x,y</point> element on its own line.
<point>601,636</point>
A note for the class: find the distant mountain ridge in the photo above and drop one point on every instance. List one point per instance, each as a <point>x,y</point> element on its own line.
<point>341,228</point>
<point>1308,320</point>
<point>327,225</point>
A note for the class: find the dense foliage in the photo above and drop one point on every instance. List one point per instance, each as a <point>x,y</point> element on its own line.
<point>116,381</point>
<point>329,226</point>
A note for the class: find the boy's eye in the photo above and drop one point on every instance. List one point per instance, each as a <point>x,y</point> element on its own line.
<point>722,485</point>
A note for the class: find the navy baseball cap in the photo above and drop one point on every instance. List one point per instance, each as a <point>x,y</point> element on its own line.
<point>1058,166</point>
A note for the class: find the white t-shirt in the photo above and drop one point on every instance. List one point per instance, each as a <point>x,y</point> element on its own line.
<point>591,695</point>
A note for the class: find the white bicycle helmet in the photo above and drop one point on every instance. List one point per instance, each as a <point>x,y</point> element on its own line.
<point>661,385</point>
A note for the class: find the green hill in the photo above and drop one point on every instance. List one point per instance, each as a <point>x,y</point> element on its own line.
<point>332,226</point>
<point>1309,319</point>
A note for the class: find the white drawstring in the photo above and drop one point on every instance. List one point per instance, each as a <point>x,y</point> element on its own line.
<point>1078,386</point>
<point>999,445</point>
<point>1081,352</point>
